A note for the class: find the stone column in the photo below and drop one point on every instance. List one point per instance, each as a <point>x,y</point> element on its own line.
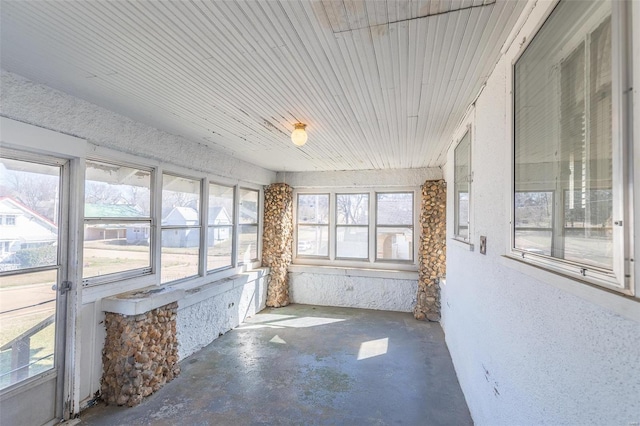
<point>140,354</point>
<point>432,251</point>
<point>277,241</point>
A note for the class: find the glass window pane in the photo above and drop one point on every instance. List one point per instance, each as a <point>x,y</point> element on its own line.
<point>352,209</point>
<point>462,172</point>
<point>394,243</point>
<point>352,242</point>
<point>116,191</point>
<point>313,240</point>
<point>249,206</point>
<point>180,253</point>
<point>180,201</point>
<point>115,247</point>
<point>534,219</point>
<point>534,240</point>
<point>588,232</point>
<point>219,250</point>
<point>563,131</point>
<point>313,208</point>
<point>28,214</point>
<point>220,205</point>
<point>27,325</point>
<point>394,208</point>
<point>462,214</point>
<point>248,243</point>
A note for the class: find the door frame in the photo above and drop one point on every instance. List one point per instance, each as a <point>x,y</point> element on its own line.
<point>39,142</point>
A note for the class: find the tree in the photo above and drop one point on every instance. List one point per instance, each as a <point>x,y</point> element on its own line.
<point>140,197</point>
<point>39,256</point>
<point>100,193</point>
<point>352,208</point>
<point>36,191</point>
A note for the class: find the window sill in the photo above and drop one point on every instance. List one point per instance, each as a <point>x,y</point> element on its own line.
<point>141,301</point>
<point>202,291</point>
<point>355,272</point>
<point>621,304</point>
<point>462,244</point>
<point>146,299</point>
<point>92,293</point>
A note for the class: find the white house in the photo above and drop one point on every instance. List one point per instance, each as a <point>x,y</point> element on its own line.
<point>22,228</point>
<point>219,217</point>
<point>181,235</point>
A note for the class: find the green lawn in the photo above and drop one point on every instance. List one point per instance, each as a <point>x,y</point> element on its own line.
<point>41,344</point>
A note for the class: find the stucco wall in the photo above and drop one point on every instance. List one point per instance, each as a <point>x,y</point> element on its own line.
<point>382,290</point>
<point>526,350</point>
<point>209,311</point>
<point>362,178</point>
<point>36,104</point>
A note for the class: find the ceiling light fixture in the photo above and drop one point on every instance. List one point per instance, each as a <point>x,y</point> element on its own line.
<point>299,134</point>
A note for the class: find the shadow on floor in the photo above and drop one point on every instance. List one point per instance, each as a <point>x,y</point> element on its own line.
<point>309,365</point>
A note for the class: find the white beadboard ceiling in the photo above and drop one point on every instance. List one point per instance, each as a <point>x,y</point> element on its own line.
<point>380,84</point>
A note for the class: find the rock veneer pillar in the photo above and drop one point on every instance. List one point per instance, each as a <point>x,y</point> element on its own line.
<point>277,241</point>
<point>140,354</point>
<point>432,252</point>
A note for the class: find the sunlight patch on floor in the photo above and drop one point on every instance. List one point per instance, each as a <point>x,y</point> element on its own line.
<point>373,348</point>
<point>286,322</point>
<point>278,339</point>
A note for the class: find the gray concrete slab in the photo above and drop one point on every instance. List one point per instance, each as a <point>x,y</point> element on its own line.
<point>309,365</point>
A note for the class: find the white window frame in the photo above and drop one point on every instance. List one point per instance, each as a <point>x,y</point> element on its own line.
<point>330,248</point>
<point>132,273</point>
<point>355,263</point>
<point>204,276</point>
<point>338,226</point>
<point>200,226</point>
<point>233,231</point>
<point>237,224</point>
<point>620,279</point>
<point>377,226</point>
<point>467,131</point>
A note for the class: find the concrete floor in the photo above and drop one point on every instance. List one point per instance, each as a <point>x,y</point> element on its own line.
<point>309,365</point>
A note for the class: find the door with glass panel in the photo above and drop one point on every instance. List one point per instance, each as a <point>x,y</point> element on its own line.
<point>32,288</point>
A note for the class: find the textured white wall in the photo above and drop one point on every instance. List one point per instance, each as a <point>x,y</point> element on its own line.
<point>209,311</point>
<point>36,104</point>
<point>354,291</point>
<point>528,352</point>
<point>360,178</point>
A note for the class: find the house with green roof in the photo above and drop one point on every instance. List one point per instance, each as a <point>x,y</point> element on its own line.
<point>116,230</point>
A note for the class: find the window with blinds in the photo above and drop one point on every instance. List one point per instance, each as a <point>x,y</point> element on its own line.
<point>462,186</point>
<point>564,148</point>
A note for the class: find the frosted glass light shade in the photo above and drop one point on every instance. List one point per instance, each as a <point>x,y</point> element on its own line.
<point>299,135</point>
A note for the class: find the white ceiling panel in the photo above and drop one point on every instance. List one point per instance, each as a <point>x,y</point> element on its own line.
<point>380,84</point>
